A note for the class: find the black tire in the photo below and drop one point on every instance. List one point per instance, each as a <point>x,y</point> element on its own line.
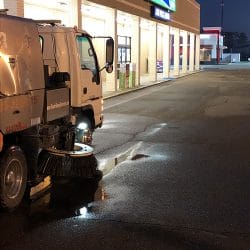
<point>13,178</point>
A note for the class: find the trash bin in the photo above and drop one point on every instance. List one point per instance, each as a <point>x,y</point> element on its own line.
<point>127,75</point>
<point>122,76</point>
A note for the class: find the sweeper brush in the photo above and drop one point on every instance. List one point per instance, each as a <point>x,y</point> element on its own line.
<point>77,163</point>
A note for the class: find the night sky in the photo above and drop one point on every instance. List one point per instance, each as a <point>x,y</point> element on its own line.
<point>236,15</point>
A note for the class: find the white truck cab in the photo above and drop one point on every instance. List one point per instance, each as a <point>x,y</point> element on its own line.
<point>50,103</point>
<point>71,50</point>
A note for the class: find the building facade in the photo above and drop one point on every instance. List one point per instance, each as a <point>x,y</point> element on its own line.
<point>151,43</point>
<point>211,44</point>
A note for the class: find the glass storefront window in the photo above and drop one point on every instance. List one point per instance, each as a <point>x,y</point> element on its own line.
<point>124,49</point>
<point>128,49</point>
<point>148,53</point>
<point>160,49</point>
<point>205,54</point>
<point>172,51</point>
<point>188,51</point>
<point>181,47</point>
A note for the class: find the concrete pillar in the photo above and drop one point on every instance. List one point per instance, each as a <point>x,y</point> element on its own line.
<point>111,29</point>
<point>166,52</point>
<point>192,52</point>
<point>16,7</point>
<point>176,52</point>
<point>197,52</point>
<point>152,53</point>
<point>184,51</point>
<point>75,14</point>
<point>135,47</point>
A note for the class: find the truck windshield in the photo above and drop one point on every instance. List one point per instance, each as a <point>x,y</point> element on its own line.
<point>86,53</point>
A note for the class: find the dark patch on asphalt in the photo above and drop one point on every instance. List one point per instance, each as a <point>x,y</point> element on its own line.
<point>172,127</point>
<point>139,156</point>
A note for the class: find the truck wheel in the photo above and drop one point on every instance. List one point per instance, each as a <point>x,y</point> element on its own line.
<point>13,178</point>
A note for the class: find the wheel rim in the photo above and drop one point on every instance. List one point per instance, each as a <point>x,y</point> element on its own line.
<point>13,179</point>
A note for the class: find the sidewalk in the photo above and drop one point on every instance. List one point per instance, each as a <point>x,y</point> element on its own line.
<point>226,66</point>
<point>110,94</point>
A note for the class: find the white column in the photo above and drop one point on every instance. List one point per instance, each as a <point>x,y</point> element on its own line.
<point>111,29</point>
<point>166,52</point>
<point>192,53</point>
<point>197,53</point>
<point>139,53</point>
<point>75,14</point>
<point>176,52</point>
<point>1,4</point>
<point>152,53</point>
<point>135,47</point>
<point>16,7</point>
<point>184,52</point>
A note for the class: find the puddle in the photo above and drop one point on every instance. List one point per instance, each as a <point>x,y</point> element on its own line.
<point>67,197</point>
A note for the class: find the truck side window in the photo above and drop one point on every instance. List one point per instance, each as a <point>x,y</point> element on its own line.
<point>87,55</point>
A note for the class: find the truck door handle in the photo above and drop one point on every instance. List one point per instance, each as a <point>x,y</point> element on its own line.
<point>85,90</point>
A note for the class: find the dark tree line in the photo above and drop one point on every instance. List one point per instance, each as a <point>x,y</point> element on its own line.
<point>237,42</point>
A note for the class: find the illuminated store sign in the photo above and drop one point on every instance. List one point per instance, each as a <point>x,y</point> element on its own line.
<point>166,4</point>
<point>159,13</point>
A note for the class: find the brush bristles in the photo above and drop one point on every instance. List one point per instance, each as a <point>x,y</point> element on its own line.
<point>54,165</point>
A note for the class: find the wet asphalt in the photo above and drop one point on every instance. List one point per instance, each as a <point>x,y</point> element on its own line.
<point>177,166</point>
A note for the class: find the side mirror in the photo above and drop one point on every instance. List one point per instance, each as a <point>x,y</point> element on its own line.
<point>109,55</point>
<point>109,68</point>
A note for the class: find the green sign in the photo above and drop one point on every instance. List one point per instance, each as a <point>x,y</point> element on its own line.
<point>166,4</point>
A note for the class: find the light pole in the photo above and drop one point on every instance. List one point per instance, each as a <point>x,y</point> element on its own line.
<point>222,14</point>
<point>220,32</point>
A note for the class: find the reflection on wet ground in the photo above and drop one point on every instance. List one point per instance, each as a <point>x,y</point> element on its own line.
<point>67,197</point>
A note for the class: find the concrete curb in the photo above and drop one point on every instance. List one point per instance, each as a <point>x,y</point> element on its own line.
<point>127,91</point>
<point>106,165</point>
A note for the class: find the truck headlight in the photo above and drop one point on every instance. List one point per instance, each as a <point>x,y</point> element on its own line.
<point>82,126</point>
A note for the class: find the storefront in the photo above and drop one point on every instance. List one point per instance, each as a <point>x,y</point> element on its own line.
<point>152,43</point>
<point>211,49</point>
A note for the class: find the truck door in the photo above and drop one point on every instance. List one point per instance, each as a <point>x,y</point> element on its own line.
<point>90,77</point>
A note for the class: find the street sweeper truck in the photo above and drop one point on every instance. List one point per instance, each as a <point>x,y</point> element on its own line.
<point>50,103</point>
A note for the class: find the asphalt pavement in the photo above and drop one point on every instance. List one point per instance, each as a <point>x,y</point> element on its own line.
<point>177,178</point>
